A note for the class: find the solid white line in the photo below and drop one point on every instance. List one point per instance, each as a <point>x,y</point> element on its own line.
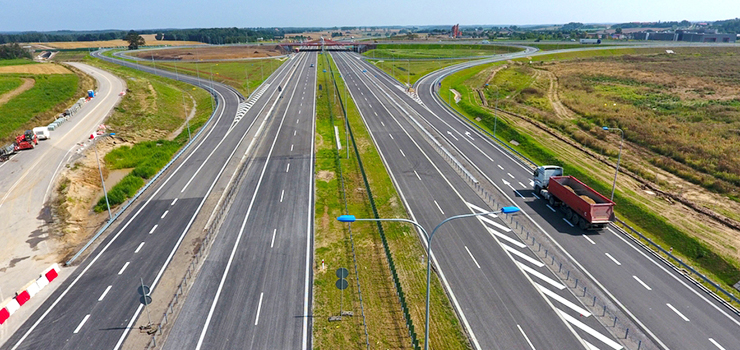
<point>614,260</point>
<point>309,227</point>
<point>173,202</point>
<point>568,222</point>
<point>534,273</point>
<point>259,307</point>
<point>588,239</point>
<point>604,339</point>
<point>81,323</point>
<point>440,208</point>
<point>402,152</point>
<point>641,282</point>
<point>583,312</point>
<point>165,214</point>
<point>505,237</point>
<point>493,223</point>
<point>281,196</point>
<point>523,256</point>
<point>520,195</point>
<point>716,344</point>
<point>678,312</point>
<point>472,257</point>
<point>511,176</point>
<point>288,168</point>
<point>274,232</point>
<point>153,228</point>
<point>535,195</point>
<point>526,337</point>
<point>551,208</point>
<point>104,293</point>
<point>139,247</point>
<point>417,175</point>
<point>124,267</point>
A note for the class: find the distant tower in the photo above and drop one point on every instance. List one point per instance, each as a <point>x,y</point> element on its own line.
<point>456,31</point>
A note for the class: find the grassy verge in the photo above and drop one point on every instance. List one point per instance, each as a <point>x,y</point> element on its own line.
<point>723,270</point>
<point>16,62</point>
<point>386,325</point>
<point>148,114</point>
<point>438,51</point>
<point>411,71</point>
<point>9,83</point>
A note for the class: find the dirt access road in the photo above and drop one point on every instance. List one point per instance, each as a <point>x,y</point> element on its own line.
<point>26,183</point>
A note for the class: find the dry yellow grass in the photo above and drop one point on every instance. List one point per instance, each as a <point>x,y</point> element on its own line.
<point>115,43</point>
<point>43,68</point>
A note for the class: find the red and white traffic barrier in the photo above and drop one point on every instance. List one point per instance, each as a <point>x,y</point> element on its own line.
<point>12,305</point>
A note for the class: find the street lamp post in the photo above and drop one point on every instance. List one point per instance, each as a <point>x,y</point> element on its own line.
<point>352,218</point>
<point>619,158</point>
<point>105,192</point>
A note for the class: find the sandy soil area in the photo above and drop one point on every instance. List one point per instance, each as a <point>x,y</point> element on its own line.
<point>42,68</point>
<point>213,53</point>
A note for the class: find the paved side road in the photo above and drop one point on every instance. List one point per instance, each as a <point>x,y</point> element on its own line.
<point>26,183</point>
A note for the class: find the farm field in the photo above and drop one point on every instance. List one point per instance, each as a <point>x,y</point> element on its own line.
<point>149,38</point>
<point>436,51</point>
<point>212,53</point>
<point>681,116</point>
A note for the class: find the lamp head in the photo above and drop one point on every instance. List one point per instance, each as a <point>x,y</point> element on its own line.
<point>346,218</point>
<point>509,210</point>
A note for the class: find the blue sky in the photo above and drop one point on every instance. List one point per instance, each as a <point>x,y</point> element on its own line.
<point>43,15</point>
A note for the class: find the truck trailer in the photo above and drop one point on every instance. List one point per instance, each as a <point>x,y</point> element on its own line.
<point>582,205</point>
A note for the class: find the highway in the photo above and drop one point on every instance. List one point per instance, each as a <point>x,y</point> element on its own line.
<point>97,305</point>
<point>26,184</point>
<point>669,308</point>
<point>254,289</point>
<point>504,295</point>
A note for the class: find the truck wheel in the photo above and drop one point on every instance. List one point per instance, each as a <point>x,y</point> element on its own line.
<point>552,202</point>
<point>583,225</point>
<point>537,190</point>
<point>568,213</point>
<point>575,219</point>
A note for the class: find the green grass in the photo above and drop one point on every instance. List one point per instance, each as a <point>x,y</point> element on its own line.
<point>9,83</point>
<point>563,46</point>
<point>71,56</point>
<point>412,71</point>
<point>49,91</point>
<point>436,51</point>
<point>16,62</point>
<point>636,214</point>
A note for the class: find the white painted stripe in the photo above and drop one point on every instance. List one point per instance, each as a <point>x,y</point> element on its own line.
<point>505,237</point>
<point>287,168</point>
<point>523,256</point>
<point>526,337</point>
<point>291,148</point>
<point>551,208</point>
<point>568,222</point>
<point>716,344</point>
<point>274,232</point>
<point>297,120</point>
<point>590,346</point>
<point>440,208</point>
<point>472,257</point>
<point>643,283</point>
<point>391,136</point>
<point>124,267</point>
<point>500,167</point>
<point>173,202</point>
<point>281,196</point>
<point>548,280</point>
<point>81,323</point>
<point>521,184</point>
<point>614,260</point>
<point>104,293</point>
<point>402,152</point>
<point>165,214</point>
<point>139,247</point>
<point>259,307</point>
<point>153,228</point>
<point>678,312</point>
<point>517,192</point>
<point>604,339</point>
<point>588,239</point>
<point>417,175</point>
<point>479,209</point>
<point>511,176</point>
<point>536,196</point>
<point>294,131</point>
<point>381,122</point>
<point>581,311</point>
<point>493,223</point>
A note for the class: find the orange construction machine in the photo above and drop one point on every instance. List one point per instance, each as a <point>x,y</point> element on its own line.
<point>26,141</point>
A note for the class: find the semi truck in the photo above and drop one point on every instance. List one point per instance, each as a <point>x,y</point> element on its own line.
<point>582,205</point>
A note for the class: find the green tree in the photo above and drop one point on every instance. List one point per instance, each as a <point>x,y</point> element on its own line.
<point>159,36</point>
<point>618,30</point>
<point>134,40</point>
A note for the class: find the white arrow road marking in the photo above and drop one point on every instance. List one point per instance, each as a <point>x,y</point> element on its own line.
<point>453,136</point>
<point>467,133</point>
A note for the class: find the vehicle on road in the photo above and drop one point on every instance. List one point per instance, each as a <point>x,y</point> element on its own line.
<point>6,151</point>
<point>42,133</point>
<point>26,141</point>
<point>311,64</point>
<point>591,41</point>
<point>582,205</point>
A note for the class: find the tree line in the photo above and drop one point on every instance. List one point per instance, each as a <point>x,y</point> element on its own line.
<point>12,51</point>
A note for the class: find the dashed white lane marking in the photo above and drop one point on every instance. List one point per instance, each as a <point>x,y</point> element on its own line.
<point>139,247</point>
<point>381,123</point>
<point>521,184</point>
<point>402,152</point>
<point>519,194</point>
<point>391,136</point>
<point>288,168</point>
<point>299,111</point>
<point>173,202</point>
<point>604,339</point>
<point>551,208</point>
<point>153,228</point>
<point>417,175</point>
<point>376,114</point>
<point>526,337</point>
<point>291,148</point>
<point>641,282</point>
<point>259,307</point>
<point>294,131</point>
<point>568,222</point>
<point>583,312</point>
<point>614,260</point>
<point>274,232</point>
<point>81,323</point>
<point>124,267</point>
<point>523,256</point>
<point>440,208</point>
<point>104,293</point>
<point>281,196</point>
<point>472,257</point>
<point>534,273</point>
<point>678,312</point>
<point>588,239</point>
<point>297,120</point>
<point>511,176</point>
<point>500,167</point>
<point>165,214</point>
<point>716,344</point>
<point>505,237</point>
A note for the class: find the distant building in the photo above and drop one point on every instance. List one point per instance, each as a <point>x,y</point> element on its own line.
<point>456,31</point>
<point>680,35</point>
